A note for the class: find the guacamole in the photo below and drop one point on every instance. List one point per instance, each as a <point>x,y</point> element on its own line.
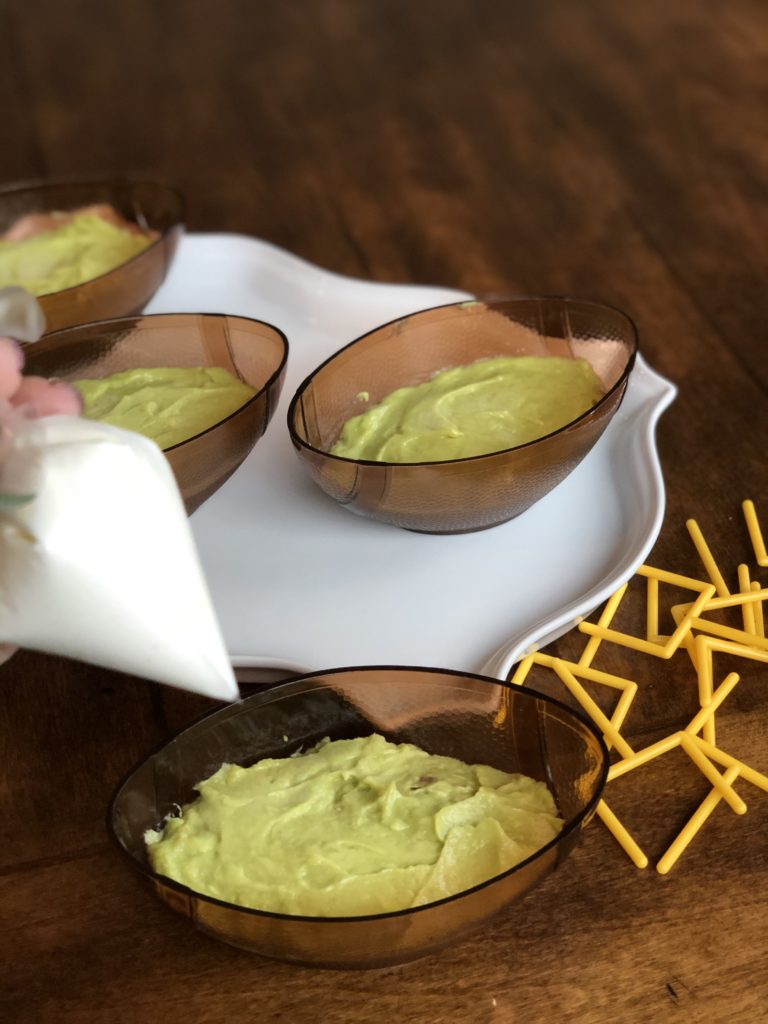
<point>484,407</point>
<point>68,250</point>
<point>167,405</point>
<point>352,827</point>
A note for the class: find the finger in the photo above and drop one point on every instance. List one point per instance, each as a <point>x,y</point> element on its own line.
<point>45,398</point>
<point>11,362</point>
<point>6,651</point>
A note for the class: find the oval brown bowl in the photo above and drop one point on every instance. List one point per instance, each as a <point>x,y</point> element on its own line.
<point>253,351</point>
<point>128,288</point>
<point>472,493</point>
<point>471,717</point>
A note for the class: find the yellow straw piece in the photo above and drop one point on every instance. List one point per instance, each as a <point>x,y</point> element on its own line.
<point>750,597</point>
<point>747,610</point>
<point>684,582</point>
<point>522,670</point>
<point>620,834</point>
<point>694,824</point>
<point>621,709</point>
<point>748,774</point>
<point>707,558</point>
<point>704,676</point>
<point>644,756</point>
<point>598,717</point>
<point>689,640</point>
<point>711,774</point>
<point>624,640</point>
<point>594,675</point>
<point>708,732</point>
<point>627,686</point>
<point>606,617</point>
<point>740,650</point>
<point>704,662</point>
<point>651,610</point>
<point>739,636</point>
<point>665,576</point>
<point>647,647</point>
<point>759,620</point>
<point>755,533</point>
<point>705,646</point>
<point>699,721</point>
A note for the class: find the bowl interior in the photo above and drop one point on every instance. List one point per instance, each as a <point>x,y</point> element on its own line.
<point>471,493</point>
<point>469,717</point>
<point>129,287</point>
<point>253,351</point>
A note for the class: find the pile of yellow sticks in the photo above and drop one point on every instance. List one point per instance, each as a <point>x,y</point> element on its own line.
<point>701,638</point>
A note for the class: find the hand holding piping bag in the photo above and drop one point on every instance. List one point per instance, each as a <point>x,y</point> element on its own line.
<point>97,560</point>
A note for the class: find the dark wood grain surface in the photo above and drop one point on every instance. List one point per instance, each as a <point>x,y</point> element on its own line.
<point>611,151</point>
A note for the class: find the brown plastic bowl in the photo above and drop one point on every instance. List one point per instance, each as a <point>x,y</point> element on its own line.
<point>126,289</point>
<point>463,494</point>
<point>474,718</point>
<point>253,351</point>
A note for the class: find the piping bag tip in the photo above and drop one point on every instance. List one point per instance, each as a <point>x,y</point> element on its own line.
<point>21,316</point>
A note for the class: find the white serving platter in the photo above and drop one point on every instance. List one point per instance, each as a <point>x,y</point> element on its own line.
<point>301,583</point>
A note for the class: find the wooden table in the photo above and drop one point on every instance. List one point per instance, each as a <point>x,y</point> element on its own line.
<point>612,151</point>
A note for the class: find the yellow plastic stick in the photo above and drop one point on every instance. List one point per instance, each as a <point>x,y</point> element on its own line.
<point>651,610</point>
<point>739,636</point>
<point>755,533</point>
<point>627,686</point>
<point>621,709</point>
<point>689,640</point>
<point>705,646</point>
<point>704,677</point>
<point>694,823</point>
<point>707,558</point>
<point>697,723</point>
<point>711,774</point>
<point>522,670</point>
<point>750,597</point>
<point>625,640</point>
<point>647,647</point>
<point>747,773</point>
<point>643,756</point>
<point>747,610</point>
<point>704,662</point>
<point>598,717</point>
<point>686,582</point>
<point>740,650</point>
<point>594,675</point>
<point>606,617</point>
<point>620,834</point>
<point>759,620</point>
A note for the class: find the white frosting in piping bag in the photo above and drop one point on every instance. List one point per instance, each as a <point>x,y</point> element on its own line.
<point>100,565</point>
<point>97,560</point>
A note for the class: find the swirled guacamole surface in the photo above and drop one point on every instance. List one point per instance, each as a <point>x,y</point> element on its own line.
<point>81,248</point>
<point>352,827</point>
<point>168,405</point>
<point>484,407</point>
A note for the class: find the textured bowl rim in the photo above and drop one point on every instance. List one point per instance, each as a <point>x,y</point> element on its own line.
<point>41,185</point>
<point>264,696</point>
<point>116,320</point>
<point>299,442</point>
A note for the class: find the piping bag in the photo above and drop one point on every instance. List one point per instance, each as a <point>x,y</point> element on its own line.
<point>97,560</point>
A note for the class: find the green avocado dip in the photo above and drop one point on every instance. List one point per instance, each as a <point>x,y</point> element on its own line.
<point>164,404</point>
<point>352,827</point>
<point>484,407</point>
<point>81,248</point>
